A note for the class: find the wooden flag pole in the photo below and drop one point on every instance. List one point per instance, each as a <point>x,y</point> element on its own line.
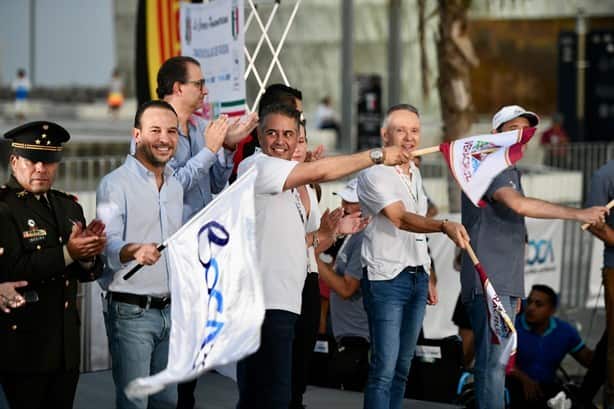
<point>425,151</point>
<point>610,205</point>
<point>472,256</point>
<point>433,149</point>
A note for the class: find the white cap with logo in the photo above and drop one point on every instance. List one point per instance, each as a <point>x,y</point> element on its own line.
<point>349,193</point>
<point>509,112</point>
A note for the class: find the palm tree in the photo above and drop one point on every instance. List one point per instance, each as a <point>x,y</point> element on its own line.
<point>455,58</point>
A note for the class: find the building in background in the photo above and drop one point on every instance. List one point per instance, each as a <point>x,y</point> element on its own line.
<point>61,43</point>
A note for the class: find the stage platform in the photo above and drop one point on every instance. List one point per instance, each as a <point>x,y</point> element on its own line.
<point>214,391</point>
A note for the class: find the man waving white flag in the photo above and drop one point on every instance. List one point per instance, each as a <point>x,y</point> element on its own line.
<point>217,303</point>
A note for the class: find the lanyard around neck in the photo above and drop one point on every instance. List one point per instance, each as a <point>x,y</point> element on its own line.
<point>299,205</point>
<point>407,183</point>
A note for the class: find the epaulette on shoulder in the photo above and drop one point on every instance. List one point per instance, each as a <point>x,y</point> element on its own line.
<point>70,196</point>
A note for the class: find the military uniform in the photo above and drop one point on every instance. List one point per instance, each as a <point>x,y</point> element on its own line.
<point>40,342</point>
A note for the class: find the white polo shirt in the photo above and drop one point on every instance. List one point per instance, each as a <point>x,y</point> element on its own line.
<point>387,250</point>
<point>280,234</point>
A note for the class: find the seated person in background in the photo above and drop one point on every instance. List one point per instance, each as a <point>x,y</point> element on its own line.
<point>348,315</point>
<point>543,342</point>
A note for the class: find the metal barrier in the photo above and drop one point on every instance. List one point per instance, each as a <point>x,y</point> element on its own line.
<point>575,266</point>
<point>583,157</point>
<point>577,244</point>
<point>80,173</point>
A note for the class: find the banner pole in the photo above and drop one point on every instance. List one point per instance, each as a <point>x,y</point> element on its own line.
<point>425,151</point>
<point>472,256</point>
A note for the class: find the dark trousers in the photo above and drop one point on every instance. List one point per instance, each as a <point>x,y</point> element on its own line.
<point>33,391</point>
<point>596,374</point>
<point>351,363</point>
<point>264,377</point>
<point>608,295</point>
<point>305,338</point>
<point>185,394</point>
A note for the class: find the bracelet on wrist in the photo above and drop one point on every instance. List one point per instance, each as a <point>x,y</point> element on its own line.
<point>315,240</point>
<point>443,225</point>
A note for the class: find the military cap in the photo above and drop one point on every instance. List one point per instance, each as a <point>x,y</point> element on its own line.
<point>39,141</point>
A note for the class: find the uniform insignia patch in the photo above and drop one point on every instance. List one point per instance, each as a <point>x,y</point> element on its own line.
<point>35,234</point>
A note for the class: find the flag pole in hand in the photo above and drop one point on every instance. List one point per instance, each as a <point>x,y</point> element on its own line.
<point>610,205</point>
<point>501,326</point>
<point>137,267</point>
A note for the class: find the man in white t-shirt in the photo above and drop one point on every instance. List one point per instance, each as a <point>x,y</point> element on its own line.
<point>264,377</point>
<point>396,260</point>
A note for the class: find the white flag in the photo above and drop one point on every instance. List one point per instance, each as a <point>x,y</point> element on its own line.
<point>501,326</point>
<point>216,291</point>
<point>475,161</point>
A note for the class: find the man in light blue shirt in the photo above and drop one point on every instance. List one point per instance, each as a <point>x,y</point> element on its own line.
<point>203,160</point>
<point>141,204</point>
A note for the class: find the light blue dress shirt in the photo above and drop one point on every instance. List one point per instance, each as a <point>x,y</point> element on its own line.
<point>134,211</point>
<point>200,171</point>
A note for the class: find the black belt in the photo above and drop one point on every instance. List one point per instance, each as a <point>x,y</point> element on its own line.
<point>414,269</point>
<point>353,341</point>
<point>143,301</point>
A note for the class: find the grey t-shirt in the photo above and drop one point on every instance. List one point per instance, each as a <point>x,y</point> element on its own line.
<point>602,191</point>
<point>498,236</point>
<point>349,317</point>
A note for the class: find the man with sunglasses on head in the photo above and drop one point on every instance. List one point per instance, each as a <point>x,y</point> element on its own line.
<point>203,159</point>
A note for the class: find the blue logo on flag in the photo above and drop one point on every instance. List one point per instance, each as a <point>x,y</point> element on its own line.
<point>211,238</point>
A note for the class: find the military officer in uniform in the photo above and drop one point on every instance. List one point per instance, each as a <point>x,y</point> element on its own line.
<point>45,242</point>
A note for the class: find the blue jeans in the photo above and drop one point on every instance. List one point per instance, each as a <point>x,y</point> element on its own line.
<point>395,309</point>
<point>138,340</point>
<point>264,377</point>
<point>489,373</point>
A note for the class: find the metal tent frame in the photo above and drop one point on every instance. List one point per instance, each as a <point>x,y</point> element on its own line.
<point>251,69</point>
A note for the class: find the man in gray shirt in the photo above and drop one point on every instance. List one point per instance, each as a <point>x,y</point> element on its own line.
<point>141,204</point>
<point>498,236</point>
<point>347,312</point>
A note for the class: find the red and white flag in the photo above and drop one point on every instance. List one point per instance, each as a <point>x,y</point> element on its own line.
<point>501,326</point>
<point>475,161</point>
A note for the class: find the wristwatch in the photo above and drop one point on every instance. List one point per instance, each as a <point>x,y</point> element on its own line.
<point>377,155</point>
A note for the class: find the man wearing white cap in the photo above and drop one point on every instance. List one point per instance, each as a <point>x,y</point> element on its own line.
<point>498,236</point>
